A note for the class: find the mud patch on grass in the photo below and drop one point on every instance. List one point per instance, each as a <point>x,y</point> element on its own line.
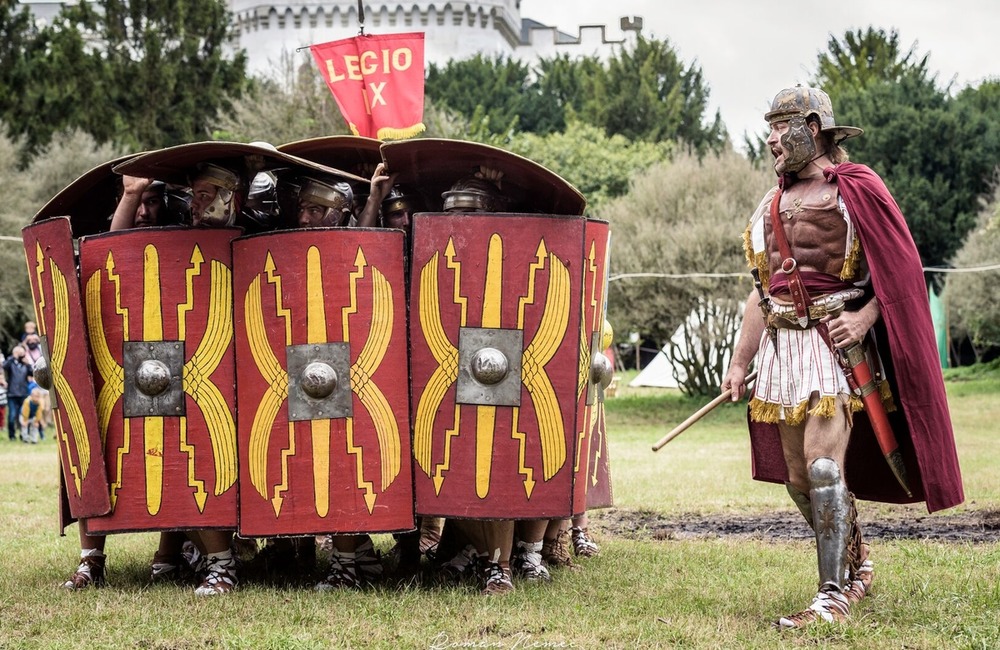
<point>973,526</point>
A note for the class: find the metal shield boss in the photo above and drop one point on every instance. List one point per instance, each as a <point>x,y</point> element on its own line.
<point>495,338</point>
<point>159,309</point>
<point>591,468</point>
<point>324,436</point>
<point>64,367</point>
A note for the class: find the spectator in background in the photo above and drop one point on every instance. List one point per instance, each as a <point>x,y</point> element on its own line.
<point>29,328</point>
<point>17,375</point>
<point>33,348</point>
<point>30,417</point>
<point>3,393</point>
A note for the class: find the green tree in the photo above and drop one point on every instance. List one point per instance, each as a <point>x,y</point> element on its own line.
<point>143,73</point>
<point>69,155</point>
<point>489,89</point>
<point>559,92</point>
<point>601,167</point>
<point>974,298</point>
<point>644,92</point>
<point>936,153</point>
<point>681,221</point>
<point>647,93</point>
<point>862,58</point>
<point>16,33</point>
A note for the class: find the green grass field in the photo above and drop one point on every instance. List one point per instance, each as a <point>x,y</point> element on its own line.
<point>641,592</point>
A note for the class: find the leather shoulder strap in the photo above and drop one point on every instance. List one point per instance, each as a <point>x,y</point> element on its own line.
<point>800,297</point>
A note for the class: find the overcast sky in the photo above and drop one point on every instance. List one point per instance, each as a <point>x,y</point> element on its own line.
<point>748,50</point>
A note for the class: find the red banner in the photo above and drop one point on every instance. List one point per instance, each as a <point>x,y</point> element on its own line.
<point>378,82</point>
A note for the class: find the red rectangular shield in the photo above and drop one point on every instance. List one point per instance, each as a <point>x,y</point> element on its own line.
<point>159,312</point>
<point>65,371</point>
<point>324,435</point>
<point>591,468</point>
<point>495,338</point>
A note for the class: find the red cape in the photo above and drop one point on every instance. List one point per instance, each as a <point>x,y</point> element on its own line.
<point>909,350</point>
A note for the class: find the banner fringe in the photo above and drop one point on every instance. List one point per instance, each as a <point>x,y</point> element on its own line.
<point>392,133</point>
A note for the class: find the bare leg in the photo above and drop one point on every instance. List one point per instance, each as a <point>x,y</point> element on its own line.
<point>353,563</point>
<point>527,560</point>
<point>814,452</point>
<point>220,563</point>
<point>168,561</point>
<point>90,572</point>
<point>583,544</point>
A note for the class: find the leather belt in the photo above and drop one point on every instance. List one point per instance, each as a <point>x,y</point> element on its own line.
<point>784,316</point>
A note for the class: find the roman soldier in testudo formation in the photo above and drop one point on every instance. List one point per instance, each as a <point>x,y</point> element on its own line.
<point>274,290</point>
<point>850,400</point>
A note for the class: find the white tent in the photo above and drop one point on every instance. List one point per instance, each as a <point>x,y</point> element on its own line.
<point>660,372</point>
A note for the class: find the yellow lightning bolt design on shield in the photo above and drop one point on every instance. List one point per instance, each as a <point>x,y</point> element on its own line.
<point>197,259</point>
<point>600,323</point>
<point>67,399</point>
<point>486,415</point>
<point>585,353</point>
<point>598,442</point>
<point>59,344</point>
<point>198,369</point>
<point>112,374</point>
<point>362,371</point>
<point>551,331</point>
<point>277,390</point>
<point>316,333</point>
<point>520,436</point>
<point>446,356</point>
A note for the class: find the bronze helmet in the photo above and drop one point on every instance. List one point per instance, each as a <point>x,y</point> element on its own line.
<point>337,197</point>
<point>400,198</point>
<point>795,105</point>
<point>474,194</point>
<point>331,195</point>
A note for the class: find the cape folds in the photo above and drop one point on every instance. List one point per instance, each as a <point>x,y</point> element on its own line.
<point>905,335</point>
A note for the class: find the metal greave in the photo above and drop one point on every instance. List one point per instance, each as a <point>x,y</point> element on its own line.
<point>832,509</point>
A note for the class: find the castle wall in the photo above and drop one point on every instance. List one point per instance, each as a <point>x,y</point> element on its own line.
<point>270,34</point>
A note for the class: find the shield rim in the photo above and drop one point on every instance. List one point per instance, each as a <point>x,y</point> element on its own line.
<point>332,150</point>
<point>434,164</point>
<point>172,164</point>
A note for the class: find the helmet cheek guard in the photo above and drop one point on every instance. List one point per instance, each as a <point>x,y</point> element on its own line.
<point>222,210</point>
<point>799,145</point>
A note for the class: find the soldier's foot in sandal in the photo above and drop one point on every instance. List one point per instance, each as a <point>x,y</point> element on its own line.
<point>828,605</point>
<point>90,573</point>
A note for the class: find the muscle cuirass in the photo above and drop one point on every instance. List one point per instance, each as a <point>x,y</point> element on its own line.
<point>814,226</point>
